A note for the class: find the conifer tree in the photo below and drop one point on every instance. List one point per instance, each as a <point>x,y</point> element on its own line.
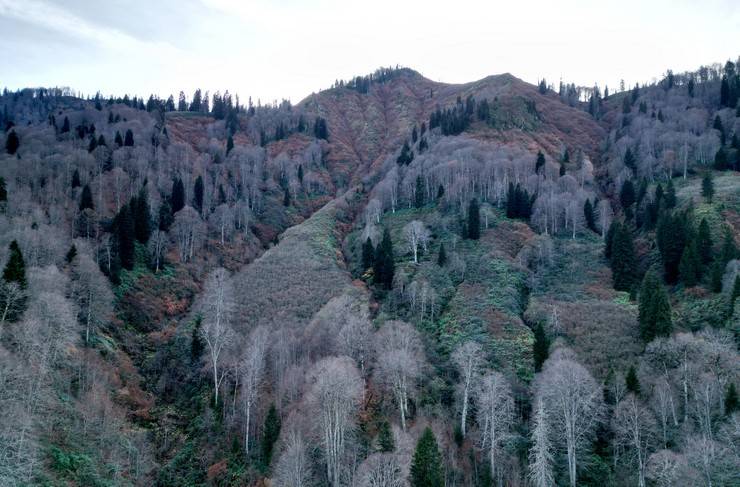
<point>627,197</point>
<point>12,142</point>
<point>670,195</point>
<point>368,254</point>
<point>65,126</point>
<point>707,187</point>
<point>419,192</point>
<point>15,268</point>
<point>128,141</point>
<point>385,437</point>
<point>406,155</point>
<point>540,162</point>
<point>654,310</point>
<point>86,199</point>
<point>689,267</point>
<point>177,199</point>
<point>442,257</point>
<point>732,402</point>
<point>426,466</point>
<point>704,242</point>
<point>715,277</point>
<point>76,183</point>
<point>541,346</point>
<point>473,224</point>
<point>142,216</point>
<point>125,231</point>
<point>588,214</point>
<point>198,190</point>
<point>671,239</point>
<point>118,139</point>
<point>384,265</point>
<point>71,254</point>
<point>3,192</point>
<point>631,381</point>
<point>229,144</point>
<point>623,260</point>
<point>286,197</point>
<point>729,249</point>
<point>270,434</point>
<point>609,238</point>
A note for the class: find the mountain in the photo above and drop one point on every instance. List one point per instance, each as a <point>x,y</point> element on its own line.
<point>393,278</point>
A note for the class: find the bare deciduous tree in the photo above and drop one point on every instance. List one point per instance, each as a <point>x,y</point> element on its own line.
<point>634,428</point>
<point>468,358</point>
<point>541,454</point>
<point>92,294</point>
<point>495,414</point>
<point>252,372</point>
<point>416,235</point>
<point>380,470</point>
<point>293,468</point>
<point>216,309</point>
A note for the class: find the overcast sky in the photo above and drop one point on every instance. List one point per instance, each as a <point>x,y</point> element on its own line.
<point>274,49</point>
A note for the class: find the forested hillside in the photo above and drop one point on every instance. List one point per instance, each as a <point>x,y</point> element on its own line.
<point>395,282</point>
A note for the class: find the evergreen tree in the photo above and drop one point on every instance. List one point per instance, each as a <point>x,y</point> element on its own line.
<point>671,239</point>
<point>198,190</point>
<point>704,242</point>
<point>419,192</point>
<point>562,169</point>
<point>627,197</point>
<point>588,214</point>
<point>76,183</point>
<point>71,254</point>
<point>125,232</point>
<point>196,343</point>
<point>165,218</point>
<point>368,254</point>
<point>629,160</point>
<point>118,140</point>
<point>65,126</point>
<point>654,310</point>
<point>177,200</point>
<point>732,403</point>
<point>15,268</point>
<point>426,466</point>
<point>86,199</point>
<point>385,437</point>
<point>631,381</point>
<point>670,195</point>
<point>690,265</point>
<point>609,238</point>
<point>3,192</point>
<point>128,141</point>
<point>92,145</point>
<point>270,434</point>
<point>384,265</point>
<point>623,260</point>
<point>406,155</point>
<point>229,144</point>
<point>729,249</point>
<point>442,257</point>
<point>721,162</point>
<point>320,129</point>
<point>473,224</point>
<point>707,187</point>
<point>142,216</point>
<point>12,142</point>
<point>540,162</point>
<point>541,346</point>
<point>286,197</point>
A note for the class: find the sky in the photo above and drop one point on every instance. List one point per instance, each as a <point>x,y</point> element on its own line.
<point>287,49</point>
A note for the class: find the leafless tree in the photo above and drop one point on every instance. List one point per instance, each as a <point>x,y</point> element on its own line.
<point>188,231</point>
<point>605,214</point>
<point>157,249</point>
<point>416,235</point>
<point>252,372</point>
<point>217,309</point>
<point>495,414</point>
<point>293,468</point>
<point>634,428</point>
<point>400,359</point>
<point>380,470</point>
<point>12,297</point>
<point>92,294</point>
<point>541,454</point>
<point>573,399</point>
<point>468,358</point>
<point>222,220</point>
<point>335,394</point>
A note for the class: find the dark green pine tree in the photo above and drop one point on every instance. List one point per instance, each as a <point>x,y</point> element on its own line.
<point>609,238</point>
<point>541,347</point>
<point>126,236</point>
<point>562,169</point>
<point>271,433</point>
<point>623,260</point>
<point>426,466</point>
<point>629,160</point>
<point>670,195</point>
<point>65,126</point>
<point>385,437</point>
<point>419,192</point>
<point>654,310</point>
<point>442,256</point>
<point>689,267</point>
<point>384,266</point>
<point>671,238</point>
<point>118,139</point>
<point>704,242</point>
<point>76,183</point>
<point>631,381</point>
<point>71,254</point>
<point>721,162</point>
<point>406,155</point>
<point>707,187</point>
<point>198,190</point>
<point>86,199</point>
<point>142,216</point>
<point>196,343</point>
<point>92,145</point>
<point>3,191</point>
<point>128,141</point>
<point>15,269</point>
<point>627,197</point>
<point>368,254</point>
<point>177,199</point>
<point>540,163</point>
<point>729,249</point>
<point>715,276</point>
<point>229,144</point>
<point>588,214</point>
<point>732,403</point>
<point>12,142</point>
<point>286,197</point>
<point>473,223</point>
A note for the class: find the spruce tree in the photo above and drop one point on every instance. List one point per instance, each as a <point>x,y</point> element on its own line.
<point>419,192</point>
<point>86,199</point>
<point>15,268</point>
<point>76,183</point>
<point>715,277</point>
<point>198,190</point>
<point>229,144</point>
<point>271,433</point>
<point>670,195</point>
<point>631,381</point>
<point>368,254</point>
<point>588,214</point>
<point>541,346</point>
<point>654,310</point>
<point>384,266</point>
<point>707,187</point>
<point>65,126</point>
<point>473,224</point>
<point>689,267</point>
<point>540,162</point>
<point>609,238</point>
<point>442,257</point>
<point>732,403</point>
<point>623,260</point>
<point>286,197</point>
<point>729,249</point>
<point>125,231</point>
<point>71,254</point>
<point>627,197</point>
<point>128,141</point>
<point>671,239</point>
<point>12,142</point>
<point>426,466</point>
<point>385,437</point>
<point>3,191</point>
<point>118,139</point>
<point>177,199</point>
<point>142,216</point>
<point>704,242</point>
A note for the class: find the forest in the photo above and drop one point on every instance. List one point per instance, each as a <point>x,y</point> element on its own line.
<point>395,282</point>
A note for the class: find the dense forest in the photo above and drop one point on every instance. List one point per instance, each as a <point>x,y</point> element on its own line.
<point>395,282</point>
